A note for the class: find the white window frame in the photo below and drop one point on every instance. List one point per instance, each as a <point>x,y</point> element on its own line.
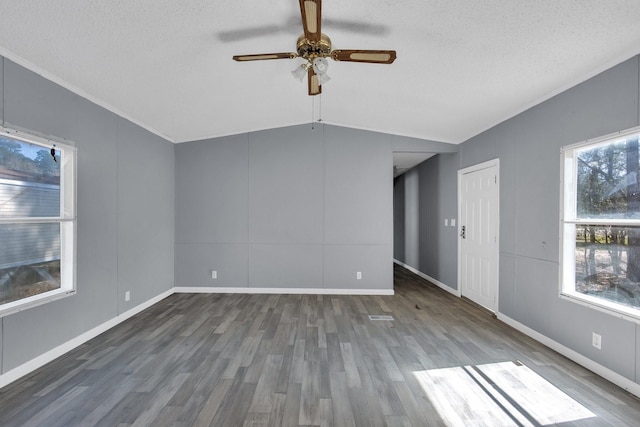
<point>67,220</point>
<point>569,219</point>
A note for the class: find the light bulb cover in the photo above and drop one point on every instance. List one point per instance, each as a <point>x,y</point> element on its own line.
<point>320,65</point>
<point>323,78</point>
<point>299,72</point>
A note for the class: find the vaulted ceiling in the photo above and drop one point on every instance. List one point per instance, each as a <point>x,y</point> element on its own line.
<point>463,65</point>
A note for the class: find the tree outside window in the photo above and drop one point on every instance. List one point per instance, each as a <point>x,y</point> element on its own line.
<point>601,222</point>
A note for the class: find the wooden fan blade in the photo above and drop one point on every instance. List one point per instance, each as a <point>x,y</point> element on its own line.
<point>311,11</point>
<point>314,84</point>
<point>264,56</point>
<point>370,56</point>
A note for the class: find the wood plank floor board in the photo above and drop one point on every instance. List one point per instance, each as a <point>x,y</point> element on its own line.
<point>297,363</point>
<point>254,370</point>
<point>385,394</point>
<point>56,409</point>
<point>335,360</point>
<point>303,360</point>
<point>205,416</point>
<point>266,387</point>
<point>325,387</point>
<point>280,340</point>
<point>159,400</point>
<point>340,405</point>
<point>125,411</point>
<point>235,402</point>
<point>418,408</point>
<point>277,410</point>
<point>310,394</point>
<point>111,395</point>
<point>284,375</point>
<point>322,335</point>
<point>200,382</point>
<point>364,413</point>
<point>351,370</point>
<point>291,414</point>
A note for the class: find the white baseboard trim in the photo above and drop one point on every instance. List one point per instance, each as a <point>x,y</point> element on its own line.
<point>303,291</point>
<point>604,372</point>
<point>429,278</point>
<point>43,359</point>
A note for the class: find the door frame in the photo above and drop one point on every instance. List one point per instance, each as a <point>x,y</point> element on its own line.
<point>494,163</point>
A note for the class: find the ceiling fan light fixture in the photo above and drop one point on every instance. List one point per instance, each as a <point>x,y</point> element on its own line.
<point>300,72</point>
<point>323,78</point>
<point>320,65</point>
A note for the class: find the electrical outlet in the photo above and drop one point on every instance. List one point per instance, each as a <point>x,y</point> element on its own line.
<point>596,341</point>
<point>214,274</point>
<point>358,275</point>
<point>127,296</point>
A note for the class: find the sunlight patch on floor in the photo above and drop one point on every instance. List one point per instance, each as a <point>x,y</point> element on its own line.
<point>498,394</point>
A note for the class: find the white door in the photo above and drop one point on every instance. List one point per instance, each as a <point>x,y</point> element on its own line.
<point>478,226</point>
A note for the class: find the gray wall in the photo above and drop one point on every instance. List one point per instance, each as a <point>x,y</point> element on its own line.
<point>528,147</point>
<point>399,229</point>
<point>294,207</point>
<point>423,198</point>
<point>125,213</point>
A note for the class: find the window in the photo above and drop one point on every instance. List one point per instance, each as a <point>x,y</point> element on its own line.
<point>37,220</point>
<point>601,223</point>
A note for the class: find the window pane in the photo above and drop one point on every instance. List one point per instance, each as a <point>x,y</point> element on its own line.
<point>608,180</point>
<point>29,261</point>
<point>608,263</point>
<point>29,180</point>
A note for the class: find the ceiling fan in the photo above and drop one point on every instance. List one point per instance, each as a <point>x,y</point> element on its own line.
<point>315,47</point>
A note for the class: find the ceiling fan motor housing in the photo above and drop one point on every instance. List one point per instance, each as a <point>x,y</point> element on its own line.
<point>309,50</point>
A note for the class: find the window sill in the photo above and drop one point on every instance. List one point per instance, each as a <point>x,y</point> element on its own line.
<point>34,301</point>
<point>616,310</point>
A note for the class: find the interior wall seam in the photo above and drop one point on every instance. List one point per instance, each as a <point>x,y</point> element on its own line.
<point>248,235</point>
<point>3,90</point>
<point>324,204</point>
<point>117,143</point>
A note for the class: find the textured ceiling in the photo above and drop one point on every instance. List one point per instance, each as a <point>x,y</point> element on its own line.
<point>463,65</point>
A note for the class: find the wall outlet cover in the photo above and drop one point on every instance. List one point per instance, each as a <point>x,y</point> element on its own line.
<point>596,341</point>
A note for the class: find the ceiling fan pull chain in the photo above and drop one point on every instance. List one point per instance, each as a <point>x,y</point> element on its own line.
<point>312,114</point>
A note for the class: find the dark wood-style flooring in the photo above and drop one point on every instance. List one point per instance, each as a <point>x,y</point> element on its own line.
<point>314,360</point>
